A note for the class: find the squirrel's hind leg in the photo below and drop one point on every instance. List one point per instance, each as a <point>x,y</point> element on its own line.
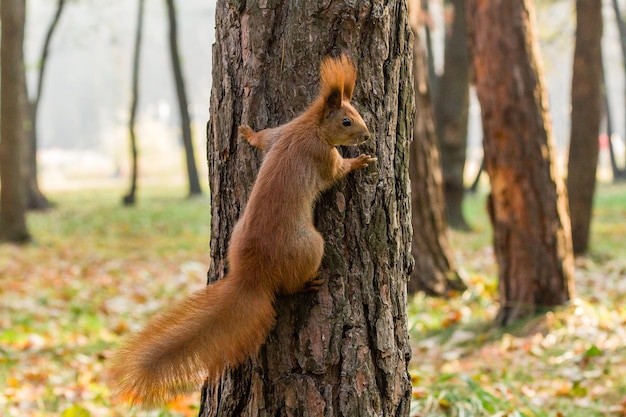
<point>314,284</point>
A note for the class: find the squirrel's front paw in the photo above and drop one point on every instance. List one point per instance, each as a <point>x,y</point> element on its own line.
<point>250,135</point>
<point>362,161</point>
<point>246,132</point>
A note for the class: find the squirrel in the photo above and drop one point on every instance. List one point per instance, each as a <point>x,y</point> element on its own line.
<point>274,249</point>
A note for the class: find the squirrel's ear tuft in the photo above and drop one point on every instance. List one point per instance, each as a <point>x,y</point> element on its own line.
<point>337,74</point>
<point>333,101</point>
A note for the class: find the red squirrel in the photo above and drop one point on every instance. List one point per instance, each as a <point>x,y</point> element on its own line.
<point>274,249</point>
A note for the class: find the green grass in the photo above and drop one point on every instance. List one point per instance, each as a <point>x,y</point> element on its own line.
<point>172,222</point>
<point>608,227</point>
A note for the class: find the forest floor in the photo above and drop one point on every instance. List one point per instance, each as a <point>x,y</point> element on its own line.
<point>568,362</point>
<point>97,270</point>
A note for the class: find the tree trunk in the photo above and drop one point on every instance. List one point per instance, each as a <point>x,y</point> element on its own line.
<point>528,203</point>
<point>435,270</point>
<point>35,199</point>
<point>12,105</point>
<point>344,350</point>
<point>474,186</point>
<point>586,96</point>
<point>192,171</point>
<point>608,113</point>
<point>433,79</point>
<point>451,116</point>
<point>620,174</point>
<point>129,199</point>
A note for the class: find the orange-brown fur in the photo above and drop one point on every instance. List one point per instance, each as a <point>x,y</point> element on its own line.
<point>274,248</point>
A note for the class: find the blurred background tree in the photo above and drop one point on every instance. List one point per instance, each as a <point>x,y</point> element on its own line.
<point>129,198</point>
<point>585,125</point>
<point>435,271</point>
<point>35,199</point>
<point>193,182</point>
<point>527,203</point>
<point>619,174</point>
<point>451,112</point>
<point>12,122</point>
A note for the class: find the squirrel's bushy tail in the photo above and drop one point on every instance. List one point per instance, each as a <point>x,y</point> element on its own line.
<point>198,337</point>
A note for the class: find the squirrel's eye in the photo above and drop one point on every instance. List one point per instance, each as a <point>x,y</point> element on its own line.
<point>346,122</point>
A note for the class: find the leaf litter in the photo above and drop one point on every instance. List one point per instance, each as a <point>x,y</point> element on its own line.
<point>568,362</point>
<point>67,301</point>
<point>98,271</point>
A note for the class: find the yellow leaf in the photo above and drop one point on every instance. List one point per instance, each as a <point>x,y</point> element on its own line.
<point>13,382</point>
<point>443,403</point>
<point>76,411</point>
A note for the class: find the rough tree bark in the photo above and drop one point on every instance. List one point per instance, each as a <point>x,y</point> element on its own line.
<point>435,270</point>
<point>344,350</point>
<point>451,110</point>
<point>12,116</point>
<point>129,198</point>
<point>192,170</point>
<point>585,124</point>
<point>528,202</point>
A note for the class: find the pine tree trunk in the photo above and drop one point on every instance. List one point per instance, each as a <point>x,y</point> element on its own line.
<point>344,350</point>
<point>424,5</point>
<point>192,170</point>
<point>586,97</point>
<point>435,270</point>
<point>451,116</point>
<point>620,174</point>
<point>129,198</point>
<point>610,128</point>
<point>35,199</point>
<point>528,202</point>
<point>12,117</point>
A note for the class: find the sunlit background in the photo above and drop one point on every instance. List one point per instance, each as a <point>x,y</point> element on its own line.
<point>83,134</point>
<point>82,126</point>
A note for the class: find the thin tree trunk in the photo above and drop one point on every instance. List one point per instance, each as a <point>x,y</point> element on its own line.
<point>192,171</point>
<point>608,112</point>
<point>35,199</point>
<point>586,96</point>
<point>433,79</point>
<point>435,270</point>
<point>12,105</point>
<point>609,132</point>
<point>344,350</point>
<point>451,112</point>
<point>481,169</point>
<point>528,200</point>
<point>621,26</point>
<point>129,199</point>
